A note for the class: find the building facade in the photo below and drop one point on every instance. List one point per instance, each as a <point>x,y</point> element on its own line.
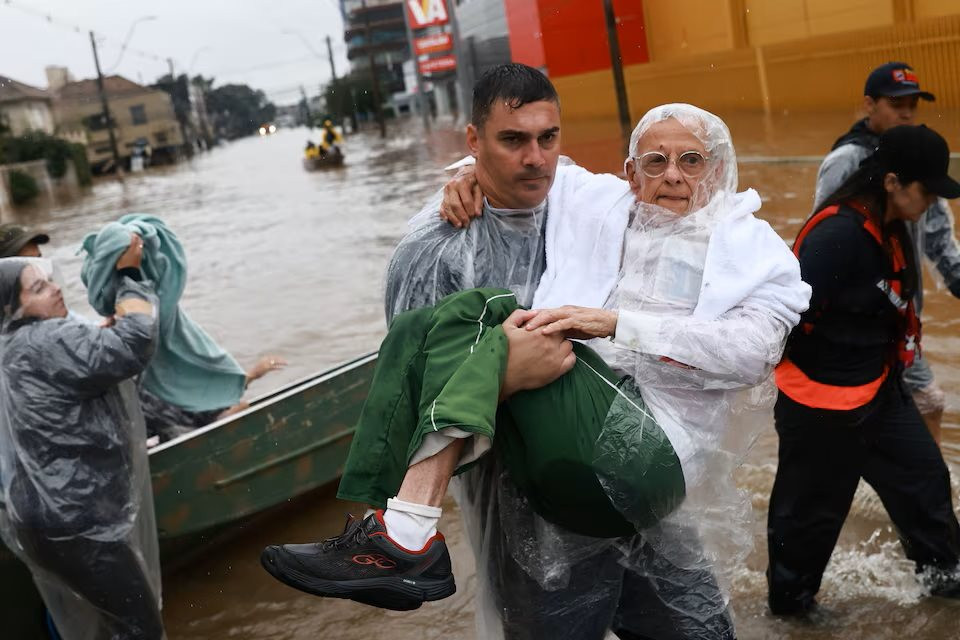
<point>377,28</point>
<point>141,117</point>
<point>24,108</point>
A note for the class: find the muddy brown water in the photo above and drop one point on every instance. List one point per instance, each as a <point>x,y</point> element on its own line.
<point>288,262</point>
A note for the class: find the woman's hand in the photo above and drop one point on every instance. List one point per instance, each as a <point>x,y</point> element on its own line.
<point>580,323</point>
<point>133,255</point>
<point>462,198</point>
<point>265,365</point>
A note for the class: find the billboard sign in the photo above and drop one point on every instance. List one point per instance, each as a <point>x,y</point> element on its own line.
<point>432,44</point>
<point>438,64</point>
<point>426,13</point>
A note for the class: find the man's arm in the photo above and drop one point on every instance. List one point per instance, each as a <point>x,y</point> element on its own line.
<point>836,168</point>
<point>940,244</point>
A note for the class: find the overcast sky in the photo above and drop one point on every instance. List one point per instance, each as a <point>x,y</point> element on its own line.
<point>239,41</point>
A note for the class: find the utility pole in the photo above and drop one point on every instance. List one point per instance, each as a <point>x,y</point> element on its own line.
<point>306,107</point>
<point>421,92</point>
<point>616,65</point>
<point>375,77</point>
<point>170,68</point>
<point>106,106</point>
<point>336,82</point>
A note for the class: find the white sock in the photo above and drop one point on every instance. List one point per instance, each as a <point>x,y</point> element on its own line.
<point>410,524</point>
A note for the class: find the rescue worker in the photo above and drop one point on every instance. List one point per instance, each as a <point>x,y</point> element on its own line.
<point>891,96</point>
<point>604,587</point>
<point>843,411</point>
<point>330,139</point>
<point>75,487</point>
<point>311,151</point>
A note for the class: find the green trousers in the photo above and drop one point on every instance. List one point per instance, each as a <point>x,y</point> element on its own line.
<point>583,449</point>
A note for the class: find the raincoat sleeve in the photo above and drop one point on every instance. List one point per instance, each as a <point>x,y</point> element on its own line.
<point>741,346</point>
<point>940,244</point>
<point>93,359</point>
<point>837,167</point>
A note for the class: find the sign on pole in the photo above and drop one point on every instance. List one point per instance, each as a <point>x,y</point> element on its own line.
<point>427,13</point>
<point>438,64</point>
<point>433,43</point>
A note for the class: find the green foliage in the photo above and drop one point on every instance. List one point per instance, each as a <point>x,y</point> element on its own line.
<point>238,110</point>
<point>78,153</point>
<point>36,145</point>
<point>23,187</point>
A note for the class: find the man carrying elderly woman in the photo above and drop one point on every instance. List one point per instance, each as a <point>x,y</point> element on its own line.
<point>686,299</point>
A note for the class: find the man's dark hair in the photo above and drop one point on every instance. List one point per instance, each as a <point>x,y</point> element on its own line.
<point>515,83</point>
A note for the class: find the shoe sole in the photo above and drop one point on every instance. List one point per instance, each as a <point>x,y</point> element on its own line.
<point>394,593</point>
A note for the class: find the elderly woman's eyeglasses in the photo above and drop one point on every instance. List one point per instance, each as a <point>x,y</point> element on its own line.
<point>654,164</point>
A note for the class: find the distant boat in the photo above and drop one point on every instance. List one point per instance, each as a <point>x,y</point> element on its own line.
<point>286,443</point>
<point>334,158</point>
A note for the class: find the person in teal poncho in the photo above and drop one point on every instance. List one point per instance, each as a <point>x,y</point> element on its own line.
<point>191,381</point>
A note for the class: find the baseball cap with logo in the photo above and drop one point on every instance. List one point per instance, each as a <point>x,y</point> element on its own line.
<point>893,80</point>
<point>14,237</point>
<point>918,153</point>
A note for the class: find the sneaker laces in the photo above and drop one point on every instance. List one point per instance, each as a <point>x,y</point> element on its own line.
<point>353,533</point>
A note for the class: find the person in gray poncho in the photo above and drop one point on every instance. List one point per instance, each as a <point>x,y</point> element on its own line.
<point>75,500</point>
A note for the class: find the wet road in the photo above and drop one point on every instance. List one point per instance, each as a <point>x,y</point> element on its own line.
<point>288,262</point>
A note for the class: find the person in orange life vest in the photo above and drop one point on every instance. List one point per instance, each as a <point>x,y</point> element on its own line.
<point>843,411</point>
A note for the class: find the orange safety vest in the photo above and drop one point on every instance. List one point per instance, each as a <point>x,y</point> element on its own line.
<point>793,382</point>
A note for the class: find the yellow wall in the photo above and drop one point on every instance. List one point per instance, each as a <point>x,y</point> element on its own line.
<point>676,30</point>
<point>770,22</point>
<point>816,73</point>
<point>923,9</point>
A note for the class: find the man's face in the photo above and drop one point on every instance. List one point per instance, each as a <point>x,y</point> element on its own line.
<point>885,113</point>
<point>517,152</point>
<point>675,190</point>
<point>40,297</point>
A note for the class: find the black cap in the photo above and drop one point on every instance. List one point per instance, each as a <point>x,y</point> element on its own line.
<point>893,80</point>
<point>918,153</point>
<point>14,237</point>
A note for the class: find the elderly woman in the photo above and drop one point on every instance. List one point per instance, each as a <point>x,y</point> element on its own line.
<point>699,310</point>
<point>76,503</point>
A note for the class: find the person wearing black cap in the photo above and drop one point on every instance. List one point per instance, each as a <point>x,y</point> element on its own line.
<point>18,240</point>
<point>843,411</point>
<point>891,96</point>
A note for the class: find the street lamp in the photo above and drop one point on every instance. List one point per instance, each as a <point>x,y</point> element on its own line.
<point>126,39</point>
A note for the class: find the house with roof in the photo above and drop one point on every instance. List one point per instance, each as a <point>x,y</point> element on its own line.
<point>25,108</point>
<point>142,117</point>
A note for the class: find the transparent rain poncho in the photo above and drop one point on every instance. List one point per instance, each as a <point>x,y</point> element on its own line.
<point>706,301</point>
<point>75,497</point>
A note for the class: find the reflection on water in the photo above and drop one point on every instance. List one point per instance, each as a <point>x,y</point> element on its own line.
<point>292,263</point>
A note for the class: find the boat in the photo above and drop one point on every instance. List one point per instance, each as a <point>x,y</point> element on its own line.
<point>333,158</point>
<point>286,443</point>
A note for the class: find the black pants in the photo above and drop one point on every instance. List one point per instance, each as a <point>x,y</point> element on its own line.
<point>109,576</point>
<point>823,455</point>
<point>638,594</point>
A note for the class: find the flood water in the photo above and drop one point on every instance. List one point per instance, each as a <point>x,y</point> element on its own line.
<point>291,263</point>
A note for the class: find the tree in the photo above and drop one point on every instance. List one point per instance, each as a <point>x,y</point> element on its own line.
<point>238,110</point>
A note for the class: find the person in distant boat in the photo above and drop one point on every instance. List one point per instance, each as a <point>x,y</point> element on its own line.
<point>311,151</point>
<point>75,495</point>
<point>330,139</point>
